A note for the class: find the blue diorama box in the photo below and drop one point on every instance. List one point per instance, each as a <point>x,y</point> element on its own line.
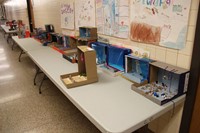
<point>86,35</point>
<point>88,32</point>
<point>137,69</point>
<point>166,83</point>
<point>100,49</point>
<point>116,57</point>
<point>110,58</point>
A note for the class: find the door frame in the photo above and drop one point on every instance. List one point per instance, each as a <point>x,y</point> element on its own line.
<point>193,82</point>
<point>30,14</point>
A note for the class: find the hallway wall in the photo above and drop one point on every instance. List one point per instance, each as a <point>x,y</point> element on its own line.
<point>48,11</point>
<point>17,10</point>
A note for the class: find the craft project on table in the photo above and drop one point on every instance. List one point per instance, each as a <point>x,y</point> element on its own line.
<point>166,83</point>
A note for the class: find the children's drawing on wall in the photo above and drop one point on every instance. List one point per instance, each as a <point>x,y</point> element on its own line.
<point>113,16</point>
<point>145,33</point>
<point>85,13</point>
<point>67,15</point>
<point>160,22</point>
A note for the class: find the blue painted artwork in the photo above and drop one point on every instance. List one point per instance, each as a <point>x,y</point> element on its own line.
<point>113,17</point>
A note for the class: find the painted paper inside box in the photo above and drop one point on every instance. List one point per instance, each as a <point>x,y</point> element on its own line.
<point>116,57</point>
<point>100,49</point>
<point>137,69</point>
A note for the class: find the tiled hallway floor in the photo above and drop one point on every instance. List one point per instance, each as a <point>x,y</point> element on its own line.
<point>23,109</point>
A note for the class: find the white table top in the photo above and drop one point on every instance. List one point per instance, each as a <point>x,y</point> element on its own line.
<point>28,44</point>
<point>6,29</point>
<point>109,104</point>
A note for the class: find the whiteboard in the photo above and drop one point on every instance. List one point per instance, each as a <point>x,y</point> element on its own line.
<point>67,14</point>
<point>84,13</point>
<point>159,22</point>
<point>113,17</point>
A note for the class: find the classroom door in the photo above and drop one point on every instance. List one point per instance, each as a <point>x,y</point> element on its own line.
<point>31,14</point>
<point>195,123</point>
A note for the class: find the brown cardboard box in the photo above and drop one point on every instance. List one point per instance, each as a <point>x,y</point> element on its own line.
<point>87,35</point>
<point>167,82</point>
<point>70,54</point>
<point>87,69</point>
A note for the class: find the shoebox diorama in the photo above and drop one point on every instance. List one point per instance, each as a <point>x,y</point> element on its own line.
<point>44,36</point>
<point>87,35</point>
<point>115,58</point>
<point>136,69</point>
<point>71,55</point>
<point>100,49</point>
<point>110,58</point>
<point>62,42</point>
<point>87,69</point>
<point>166,82</point>
<point>137,66</point>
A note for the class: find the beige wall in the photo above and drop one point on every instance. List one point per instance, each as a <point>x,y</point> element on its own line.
<point>17,10</point>
<point>47,12</point>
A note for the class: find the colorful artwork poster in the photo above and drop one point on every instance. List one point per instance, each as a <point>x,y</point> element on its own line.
<point>84,13</point>
<point>113,17</point>
<point>160,22</point>
<point>67,14</point>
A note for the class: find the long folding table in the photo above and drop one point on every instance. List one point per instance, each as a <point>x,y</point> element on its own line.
<point>26,44</point>
<point>9,32</point>
<point>109,104</point>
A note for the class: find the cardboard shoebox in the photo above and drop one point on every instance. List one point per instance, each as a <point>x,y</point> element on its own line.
<point>136,69</point>
<point>87,35</point>
<point>70,54</point>
<point>167,82</point>
<point>87,69</point>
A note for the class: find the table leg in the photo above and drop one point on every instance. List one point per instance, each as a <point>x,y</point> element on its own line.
<point>37,72</point>
<point>4,34</point>
<point>144,129</point>
<point>9,37</point>
<point>22,52</point>
<point>44,78</point>
<point>13,44</point>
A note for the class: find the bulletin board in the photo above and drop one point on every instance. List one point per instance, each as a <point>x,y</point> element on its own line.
<point>160,22</point>
<point>84,13</point>
<point>112,17</point>
<point>67,14</point>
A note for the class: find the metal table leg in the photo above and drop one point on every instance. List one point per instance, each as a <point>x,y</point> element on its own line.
<point>22,52</point>
<point>144,129</point>
<point>37,72</point>
<point>44,78</point>
<point>9,37</point>
<point>4,34</point>
<point>13,44</point>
